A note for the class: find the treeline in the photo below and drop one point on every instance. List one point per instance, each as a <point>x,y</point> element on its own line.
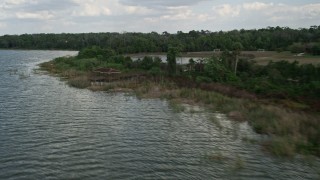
<point>271,38</point>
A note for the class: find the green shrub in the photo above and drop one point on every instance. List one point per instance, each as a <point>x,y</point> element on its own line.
<point>155,71</point>
<point>95,52</point>
<point>113,65</point>
<point>203,79</point>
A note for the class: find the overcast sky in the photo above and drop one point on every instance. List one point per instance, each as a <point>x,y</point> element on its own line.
<point>75,16</point>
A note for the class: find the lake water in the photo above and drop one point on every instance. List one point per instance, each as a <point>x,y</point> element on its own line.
<point>51,131</point>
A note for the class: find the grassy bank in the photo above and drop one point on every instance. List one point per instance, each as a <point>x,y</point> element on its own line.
<point>291,132</point>
<point>291,129</point>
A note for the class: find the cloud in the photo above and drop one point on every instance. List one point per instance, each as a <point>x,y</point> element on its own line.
<point>256,6</point>
<point>268,11</point>
<point>137,10</point>
<point>227,10</point>
<point>91,10</point>
<point>3,25</point>
<point>36,5</point>
<point>285,12</point>
<point>160,3</point>
<point>311,10</point>
<point>178,14</point>
<point>34,9</point>
<point>10,3</point>
<point>14,1</point>
<point>43,15</point>
<point>48,5</point>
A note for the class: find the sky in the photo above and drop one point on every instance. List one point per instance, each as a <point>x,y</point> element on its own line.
<point>78,16</point>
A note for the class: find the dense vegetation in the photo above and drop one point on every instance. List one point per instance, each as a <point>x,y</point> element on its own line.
<point>271,38</point>
<point>277,80</point>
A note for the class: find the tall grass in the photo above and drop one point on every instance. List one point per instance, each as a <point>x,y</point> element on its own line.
<point>176,106</point>
<point>79,82</point>
<point>291,132</point>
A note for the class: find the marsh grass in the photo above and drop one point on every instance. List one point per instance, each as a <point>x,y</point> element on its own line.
<point>218,156</point>
<point>281,146</point>
<point>239,163</point>
<point>193,111</point>
<point>108,87</point>
<point>23,75</point>
<point>176,106</point>
<point>294,105</point>
<point>290,131</point>
<point>249,140</point>
<point>79,82</point>
<point>236,162</point>
<point>216,122</point>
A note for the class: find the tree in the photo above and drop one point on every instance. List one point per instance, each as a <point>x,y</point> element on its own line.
<point>316,49</point>
<point>216,71</point>
<point>237,47</point>
<point>171,60</point>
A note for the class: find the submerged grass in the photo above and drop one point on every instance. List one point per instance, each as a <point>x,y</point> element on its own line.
<point>176,106</point>
<point>291,131</point>
<point>239,163</point>
<point>281,146</point>
<point>79,82</point>
<point>216,122</point>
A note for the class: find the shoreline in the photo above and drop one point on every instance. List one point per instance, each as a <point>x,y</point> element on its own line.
<point>287,128</point>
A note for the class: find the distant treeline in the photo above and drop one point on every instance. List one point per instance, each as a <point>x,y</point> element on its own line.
<point>271,38</point>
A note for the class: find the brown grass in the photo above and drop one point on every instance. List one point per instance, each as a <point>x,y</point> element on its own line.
<point>79,82</point>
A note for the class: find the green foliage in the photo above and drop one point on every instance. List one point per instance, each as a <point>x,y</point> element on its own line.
<point>217,72</point>
<point>297,48</point>
<point>315,50</point>
<point>128,63</point>
<point>203,79</point>
<point>113,66</point>
<point>155,71</point>
<point>237,46</point>
<point>171,60</point>
<point>65,63</point>
<point>147,63</point>
<point>96,52</point>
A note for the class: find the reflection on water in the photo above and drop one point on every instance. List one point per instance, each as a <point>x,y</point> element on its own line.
<point>49,130</point>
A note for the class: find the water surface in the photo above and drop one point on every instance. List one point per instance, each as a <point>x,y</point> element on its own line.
<point>51,131</point>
